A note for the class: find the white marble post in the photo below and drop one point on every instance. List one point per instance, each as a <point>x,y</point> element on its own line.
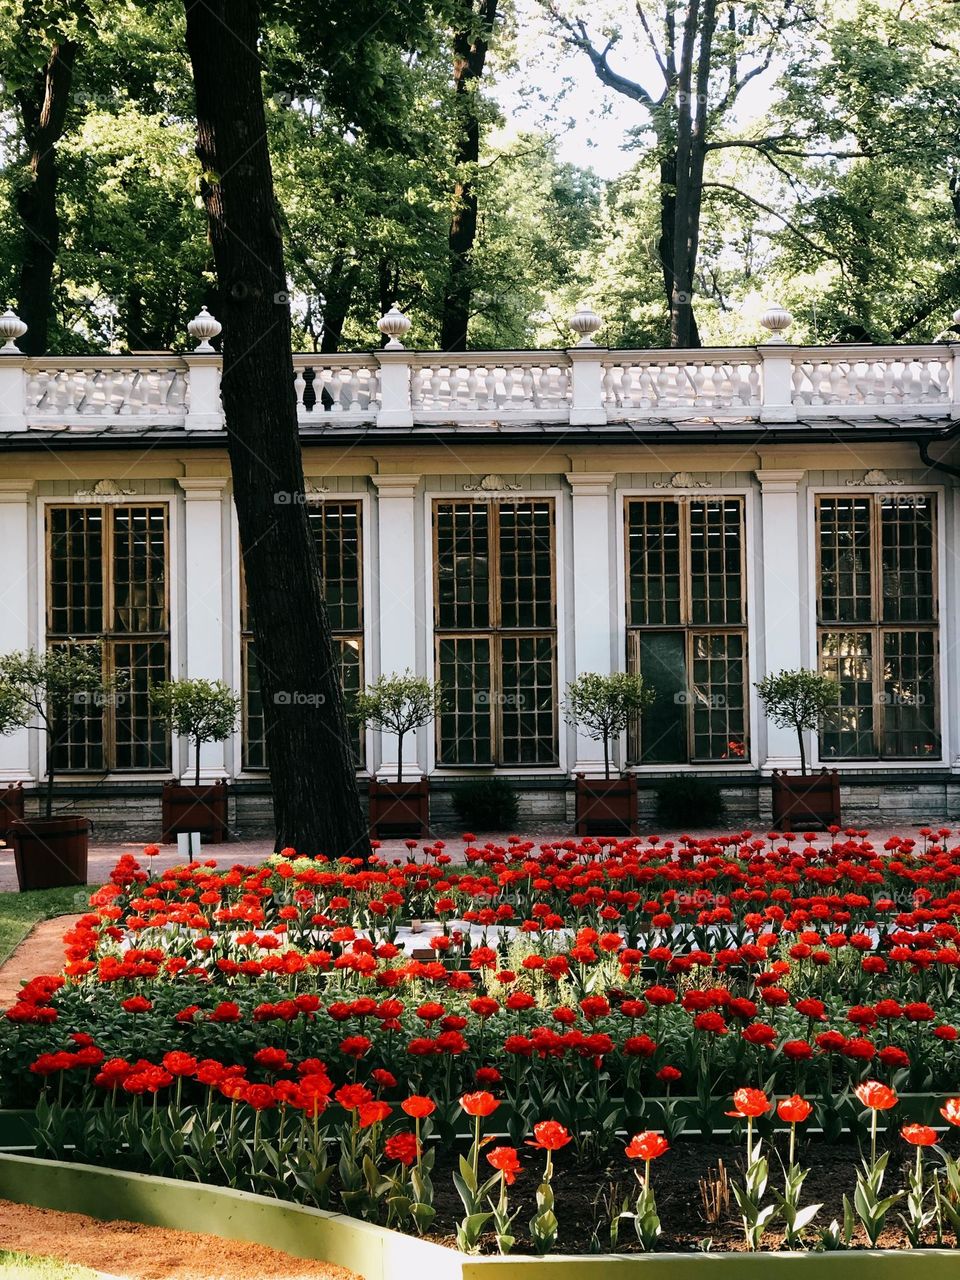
<point>399,624</point>
<point>592,610</point>
<point>201,600</point>
<point>780,629</point>
<point>19,557</point>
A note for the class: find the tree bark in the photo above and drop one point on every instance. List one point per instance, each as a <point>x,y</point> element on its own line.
<point>43,111</point>
<point>470,46</point>
<point>316,803</point>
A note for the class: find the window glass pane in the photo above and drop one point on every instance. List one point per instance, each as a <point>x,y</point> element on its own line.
<point>716,561</point>
<point>526,564</point>
<point>463,564</point>
<point>653,552</point>
<point>716,691</point>
<point>139,569</point>
<point>907,557</point>
<point>909,694</point>
<point>847,657</point>
<point>845,577</point>
<point>80,746</point>
<point>254,737</point>
<point>336,529</point>
<point>141,734</point>
<point>75,572</point>
<point>527,701</point>
<point>466,722</point>
<point>663,726</point>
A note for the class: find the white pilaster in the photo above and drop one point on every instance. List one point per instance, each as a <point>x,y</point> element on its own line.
<point>13,390</point>
<point>201,597</point>
<point>776,363</point>
<point>20,561</point>
<point>397,582</point>
<point>205,410</point>
<point>396,409</point>
<point>586,386</point>
<point>593,597</point>
<point>784,598</point>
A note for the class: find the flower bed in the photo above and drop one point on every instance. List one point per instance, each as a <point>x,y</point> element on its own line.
<point>263,1028</point>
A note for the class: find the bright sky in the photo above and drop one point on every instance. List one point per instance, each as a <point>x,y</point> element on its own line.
<point>592,124</point>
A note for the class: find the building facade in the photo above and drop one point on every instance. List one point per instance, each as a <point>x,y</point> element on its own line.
<point>501,521</point>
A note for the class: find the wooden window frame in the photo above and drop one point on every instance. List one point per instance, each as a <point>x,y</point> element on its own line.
<point>686,626</point>
<point>339,635</point>
<point>875,626</point>
<point>495,632</point>
<point>107,636</point>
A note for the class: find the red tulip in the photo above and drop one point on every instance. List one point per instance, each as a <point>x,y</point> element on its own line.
<point>647,1146</point>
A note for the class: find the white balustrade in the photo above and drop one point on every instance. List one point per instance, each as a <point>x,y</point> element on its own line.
<point>654,384</point>
<point>585,386</point>
<point>516,385</point>
<point>97,392</point>
<point>872,377</point>
<point>339,386</point>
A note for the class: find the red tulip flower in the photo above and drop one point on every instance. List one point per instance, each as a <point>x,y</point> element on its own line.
<point>418,1107</point>
<point>794,1109</point>
<point>647,1146</point>
<point>919,1135</point>
<point>878,1097</point>
<point>549,1135</point>
<point>951,1111</point>
<point>506,1161</point>
<point>748,1104</point>
<point>479,1104</point>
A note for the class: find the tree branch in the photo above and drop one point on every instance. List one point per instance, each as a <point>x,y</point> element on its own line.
<point>774,213</point>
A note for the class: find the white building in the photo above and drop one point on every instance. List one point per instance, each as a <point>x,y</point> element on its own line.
<point>503,521</point>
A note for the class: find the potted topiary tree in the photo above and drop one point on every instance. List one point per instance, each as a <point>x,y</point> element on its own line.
<point>51,691</point>
<point>603,706</point>
<point>200,711</point>
<point>798,700</point>
<point>400,704</point>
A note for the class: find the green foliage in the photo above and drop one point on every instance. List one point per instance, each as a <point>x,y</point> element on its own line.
<point>687,801</point>
<point>19,912</point>
<point>486,804</point>
<point>201,710</point>
<point>797,700</point>
<point>602,706</point>
<point>24,1266</point>
<point>399,704</point>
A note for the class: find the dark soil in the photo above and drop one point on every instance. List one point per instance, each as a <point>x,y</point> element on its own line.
<point>585,1194</point>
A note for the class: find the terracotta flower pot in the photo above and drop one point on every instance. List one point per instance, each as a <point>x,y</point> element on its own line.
<point>806,802</point>
<point>11,805</point>
<point>606,806</point>
<point>203,809</point>
<point>51,853</point>
<point>399,809</point>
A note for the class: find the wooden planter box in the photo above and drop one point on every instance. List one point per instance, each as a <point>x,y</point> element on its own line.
<point>806,802</point>
<point>606,806</point>
<point>399,809</point>
<point>50,853</point>
<point>202,809</point>
<point>11,806</point>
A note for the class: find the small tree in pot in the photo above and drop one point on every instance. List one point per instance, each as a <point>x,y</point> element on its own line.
<point>399,704</point>
<point>798,700</point>
<point>200,711</point>
<point>56,689</point>
<point>603,707</point>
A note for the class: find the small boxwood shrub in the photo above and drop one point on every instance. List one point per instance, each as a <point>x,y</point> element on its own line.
<point>689,802</point>
<point>486,804</point>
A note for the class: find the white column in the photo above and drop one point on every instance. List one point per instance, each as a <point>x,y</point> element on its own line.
<point>592,611</point>
<point>780,628</point>
<point>397,581</point>
<point>20,560</point>
<point>201,599</point>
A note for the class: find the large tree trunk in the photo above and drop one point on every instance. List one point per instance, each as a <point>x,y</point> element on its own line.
<point>316,803</point>
<point>43,110</point>
<point>470,45</point>
<point>691,155</point>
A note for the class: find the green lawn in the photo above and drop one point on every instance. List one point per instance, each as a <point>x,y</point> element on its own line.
<point>19,912</point>
<point>22,1266</point>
